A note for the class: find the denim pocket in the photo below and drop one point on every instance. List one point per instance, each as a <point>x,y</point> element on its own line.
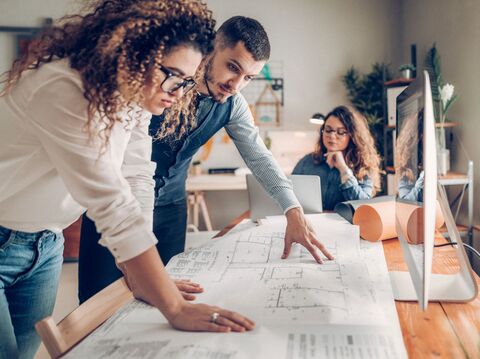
<point>5,238</point>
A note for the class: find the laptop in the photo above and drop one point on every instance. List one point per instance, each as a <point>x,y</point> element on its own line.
<point>306,188</point>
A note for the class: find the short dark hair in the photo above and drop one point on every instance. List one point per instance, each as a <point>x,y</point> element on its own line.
<point>247,30</point>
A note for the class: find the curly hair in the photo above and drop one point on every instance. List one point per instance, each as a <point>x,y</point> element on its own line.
<point>409,148</point>
<point>360,155</point>
<point>117,47</point>
<point>176,122</point>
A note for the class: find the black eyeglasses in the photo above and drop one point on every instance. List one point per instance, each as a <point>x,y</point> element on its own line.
<point>341,132</point>
<point>173,82</point>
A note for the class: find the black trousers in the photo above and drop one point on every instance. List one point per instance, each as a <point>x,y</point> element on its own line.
<point>96,267</point>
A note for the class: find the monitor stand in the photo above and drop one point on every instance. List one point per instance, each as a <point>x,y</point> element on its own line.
<point>443,287</point>
<point>456,287</point>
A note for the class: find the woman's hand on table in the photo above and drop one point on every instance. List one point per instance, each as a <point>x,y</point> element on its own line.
<point>206,318</point>
<point>186,288</point>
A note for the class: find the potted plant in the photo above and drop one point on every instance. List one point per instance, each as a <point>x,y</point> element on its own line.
<point>443,97</point>
<point>365,92</point>
<point>406,70</point>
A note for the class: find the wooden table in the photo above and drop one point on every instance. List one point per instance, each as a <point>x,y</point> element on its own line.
<point>445,330</point>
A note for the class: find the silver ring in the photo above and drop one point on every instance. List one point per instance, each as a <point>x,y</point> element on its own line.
<point>214,317</point>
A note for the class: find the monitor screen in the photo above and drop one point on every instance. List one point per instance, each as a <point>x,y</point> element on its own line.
<point>417,211</point>
<point>416,176</point>
<point>410,178</point>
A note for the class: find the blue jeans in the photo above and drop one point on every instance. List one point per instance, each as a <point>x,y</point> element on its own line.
<point>30,266</point>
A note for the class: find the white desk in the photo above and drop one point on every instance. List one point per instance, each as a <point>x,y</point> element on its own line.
<point>196,186</point>
<point>466,181</point>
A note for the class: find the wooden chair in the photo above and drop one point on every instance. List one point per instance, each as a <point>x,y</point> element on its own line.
<point>60,338</point>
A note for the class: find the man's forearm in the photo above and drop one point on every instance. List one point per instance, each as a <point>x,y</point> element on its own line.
<point>258,158</point>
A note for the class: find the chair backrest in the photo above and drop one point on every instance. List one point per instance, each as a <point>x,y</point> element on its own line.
<point>60,338</point>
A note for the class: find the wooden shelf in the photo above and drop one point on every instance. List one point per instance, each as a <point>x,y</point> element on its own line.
<point>398,82</point>
<point>447,124</point>
<point>453,175</point>
<point>448,176</point>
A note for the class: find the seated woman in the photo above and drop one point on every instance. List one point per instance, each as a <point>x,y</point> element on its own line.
<point>345,158</point>
<point>408,159</point>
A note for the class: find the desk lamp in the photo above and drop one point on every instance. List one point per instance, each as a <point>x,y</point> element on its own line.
<point>317,119</point>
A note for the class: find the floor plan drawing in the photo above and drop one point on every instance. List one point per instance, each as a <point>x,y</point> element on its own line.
<point>286,273</point>
<point>297,297</point>
<point>257,248</point>
<point>342,308</point>
<point>232,273</point>
<point>197,352</point>
<point>339,291</point>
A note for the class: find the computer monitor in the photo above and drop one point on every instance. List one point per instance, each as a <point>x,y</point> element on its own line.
<point>419,201</point>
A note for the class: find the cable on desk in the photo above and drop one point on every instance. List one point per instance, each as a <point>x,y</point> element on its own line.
<point>467,246</point>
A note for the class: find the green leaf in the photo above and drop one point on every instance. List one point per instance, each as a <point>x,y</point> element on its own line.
<point>449,103</point>
<point>365,93</point>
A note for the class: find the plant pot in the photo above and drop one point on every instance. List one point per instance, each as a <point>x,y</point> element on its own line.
<point>443,161</point>
<point>407,74</point>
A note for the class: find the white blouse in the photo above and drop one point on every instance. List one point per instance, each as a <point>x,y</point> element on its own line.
<point>51,171</point>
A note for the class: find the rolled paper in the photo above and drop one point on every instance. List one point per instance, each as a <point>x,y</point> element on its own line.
<point>415,227</point>
<point>415,224</point>
<point>346,210</point>
<point>404,212</point>
<point>376,221</point>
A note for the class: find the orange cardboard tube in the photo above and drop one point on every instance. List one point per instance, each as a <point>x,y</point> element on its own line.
<point>376,221</point>
<point>415,224</point>
<point>404,213</point>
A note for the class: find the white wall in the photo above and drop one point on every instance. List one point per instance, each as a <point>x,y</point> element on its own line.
<point>455,27</point>
<point>318,40</point>
<point>29,13</point>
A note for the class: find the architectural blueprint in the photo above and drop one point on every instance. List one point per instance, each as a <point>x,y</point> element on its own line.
<point>343,308</point>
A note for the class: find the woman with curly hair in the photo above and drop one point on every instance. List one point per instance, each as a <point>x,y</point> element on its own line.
<point>408,159</point>
<point>74,117</point>
<point>345,158</point>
